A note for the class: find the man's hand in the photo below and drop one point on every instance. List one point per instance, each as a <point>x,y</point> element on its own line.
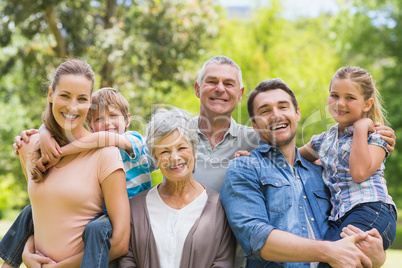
<point>23,137</point>
<point>371,246</point>
<point>387,134</point>
<point>348,254</point>
<point>241,153</point>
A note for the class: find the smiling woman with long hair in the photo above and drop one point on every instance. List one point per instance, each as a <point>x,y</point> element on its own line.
<point>67,196</point>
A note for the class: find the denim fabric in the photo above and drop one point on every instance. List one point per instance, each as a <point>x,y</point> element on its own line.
<point>290,196</point>
<point>367,216</point>
<point>96,238</point>
<point>13,242</point>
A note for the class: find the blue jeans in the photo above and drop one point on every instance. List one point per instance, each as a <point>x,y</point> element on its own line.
<point>96,238</point>
<point>13,242</point>
<point>367,216</point>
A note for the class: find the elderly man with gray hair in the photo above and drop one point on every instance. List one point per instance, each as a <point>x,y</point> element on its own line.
<point>220,88</point>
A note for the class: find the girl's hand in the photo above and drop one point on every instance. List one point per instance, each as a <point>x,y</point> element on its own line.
<point>241,153</point>
<point>365,123</point>
<point>23,137</point>
<point>387,134</point>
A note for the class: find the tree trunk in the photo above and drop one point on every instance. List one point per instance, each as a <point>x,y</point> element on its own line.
<point>61,48</point>
<point>106,72</point>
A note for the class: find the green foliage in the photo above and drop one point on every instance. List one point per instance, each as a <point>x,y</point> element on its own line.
<point>151,51</point>
<point>13,196</point>
<point>268,46</point>
<point>371,37</point>
<point>148,50</point>
<point>398,240</point>
<point>12,181</point>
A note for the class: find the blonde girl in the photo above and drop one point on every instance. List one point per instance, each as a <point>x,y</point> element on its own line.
<point>353,156</point>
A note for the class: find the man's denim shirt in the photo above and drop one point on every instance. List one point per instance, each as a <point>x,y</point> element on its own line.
<point>290,196</point>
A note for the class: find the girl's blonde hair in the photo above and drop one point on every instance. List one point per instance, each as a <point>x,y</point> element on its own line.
<point>364,81</point>
<point>69,67</point>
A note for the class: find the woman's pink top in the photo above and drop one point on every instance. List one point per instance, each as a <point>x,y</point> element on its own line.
<point>68,198</point>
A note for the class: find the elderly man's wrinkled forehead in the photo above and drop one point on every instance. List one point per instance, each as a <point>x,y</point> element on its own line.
<point>221,70</point>
<point>223,62</point>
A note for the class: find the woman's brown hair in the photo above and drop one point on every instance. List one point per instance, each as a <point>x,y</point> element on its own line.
<point>69,67</point>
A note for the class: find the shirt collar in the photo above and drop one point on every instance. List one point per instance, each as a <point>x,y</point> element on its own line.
<point>233,130</point>
<point>348,130</point>
<point>264,148</point>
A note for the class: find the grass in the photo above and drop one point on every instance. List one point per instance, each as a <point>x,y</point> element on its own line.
<point>394,256</point>
<point>394,259</point>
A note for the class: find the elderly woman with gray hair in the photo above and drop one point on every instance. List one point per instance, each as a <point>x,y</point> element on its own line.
<point>178,223</point>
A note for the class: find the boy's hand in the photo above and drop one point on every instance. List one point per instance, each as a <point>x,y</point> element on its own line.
<point>23,137</point>
<point>241,153</point>
<point>44,165</point>
<point>387,134</point>
<point>50,149</point>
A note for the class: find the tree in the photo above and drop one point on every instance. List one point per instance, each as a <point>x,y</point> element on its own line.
<point>147,49</point>
<point>269,46</point>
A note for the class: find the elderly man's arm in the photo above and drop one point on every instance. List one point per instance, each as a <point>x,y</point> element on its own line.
<point>387,134</point>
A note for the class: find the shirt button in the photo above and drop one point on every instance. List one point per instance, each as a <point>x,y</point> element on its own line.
<point>304,196</point>
<point>303,229</point>
<point>298,177</point>
<point>284,165</point>
<point>276,183</point>
<point>312,219</point>
<point>300,207</point>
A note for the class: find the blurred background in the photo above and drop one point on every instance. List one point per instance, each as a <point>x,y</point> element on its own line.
<point>151,51</point>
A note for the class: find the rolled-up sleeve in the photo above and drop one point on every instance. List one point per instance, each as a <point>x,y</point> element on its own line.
<point>375,139</point>
<point>244,202</point>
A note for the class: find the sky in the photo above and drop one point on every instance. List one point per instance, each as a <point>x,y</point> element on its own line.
<point>291,7</point>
